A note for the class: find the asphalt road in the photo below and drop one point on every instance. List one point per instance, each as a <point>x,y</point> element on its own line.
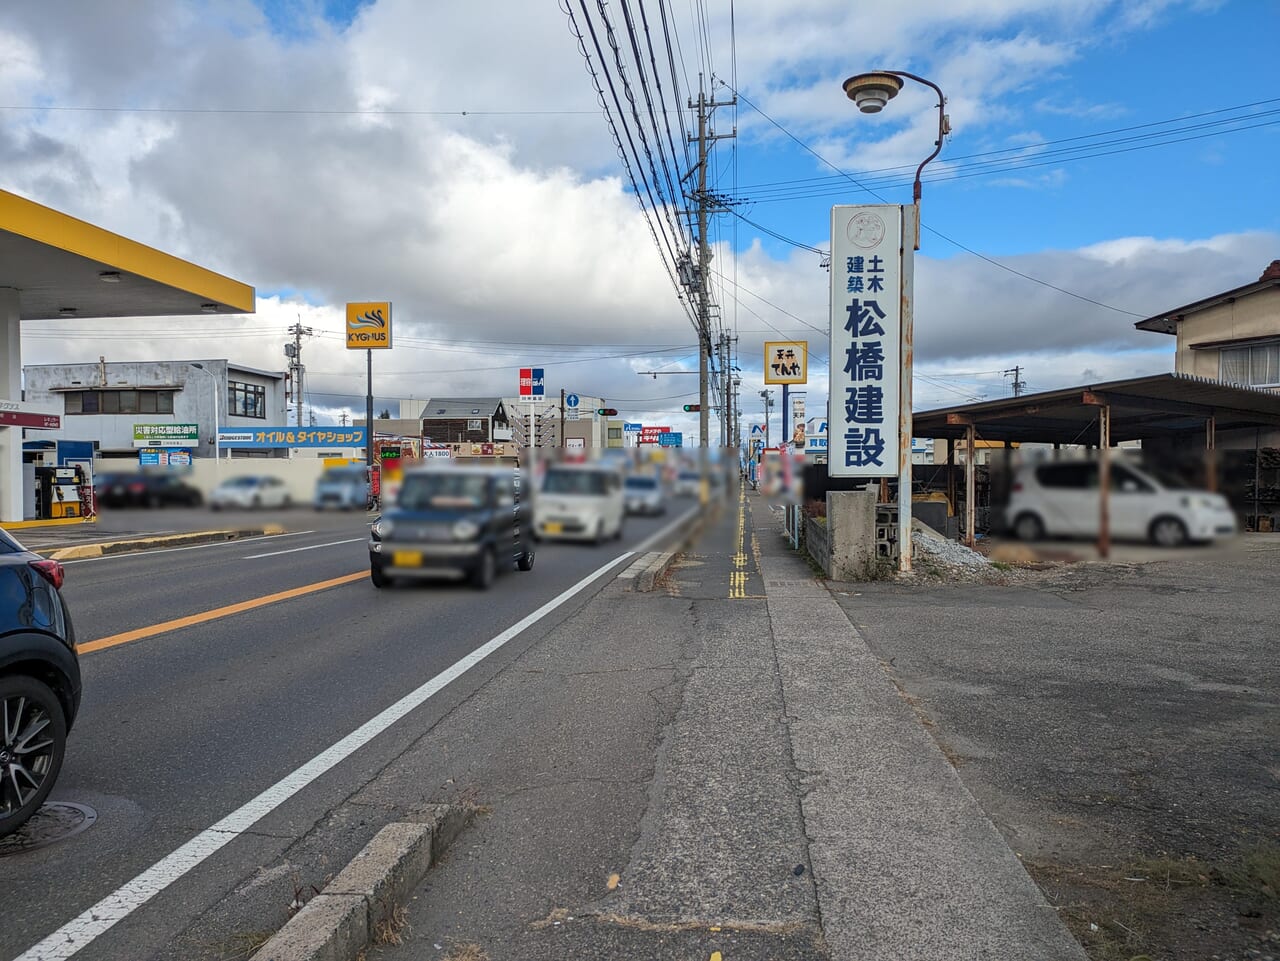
<point>181,727</point>
<point>1121,725</point>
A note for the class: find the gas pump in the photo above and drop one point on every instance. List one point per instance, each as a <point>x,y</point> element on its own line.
<point>58,492</point>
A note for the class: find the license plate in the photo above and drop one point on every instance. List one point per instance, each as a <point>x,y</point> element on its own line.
<point>553,527</point>
<point>406,558</point>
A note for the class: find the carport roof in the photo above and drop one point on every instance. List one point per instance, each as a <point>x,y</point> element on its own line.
<point>1144,407</point>
<point>57,263</point>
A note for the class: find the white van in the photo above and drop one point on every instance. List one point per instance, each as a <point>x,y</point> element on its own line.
<point>1060,499</point>
<point>580,502</point>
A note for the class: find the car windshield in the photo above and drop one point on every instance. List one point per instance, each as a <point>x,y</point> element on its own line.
<point>443,490</point>
<point>641,483</point>
<point>1166,479</point>
<point>241,482</point>
<point>590,483</point>
<point>689,475</point>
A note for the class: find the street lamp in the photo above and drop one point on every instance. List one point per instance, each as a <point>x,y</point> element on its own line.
<point>871,91</point>
<point>217,443</point>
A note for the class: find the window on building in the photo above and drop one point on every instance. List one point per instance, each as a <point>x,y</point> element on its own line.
<point>1254,366</point>
<point>118,401</point>
<point>247,400</point>
<point>615,433</point>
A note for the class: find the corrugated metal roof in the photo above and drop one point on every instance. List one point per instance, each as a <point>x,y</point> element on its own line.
<point>1143,407</point>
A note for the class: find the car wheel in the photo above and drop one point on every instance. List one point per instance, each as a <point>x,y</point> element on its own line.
<point>599,537</point>
<point>287,502</point>
<point>153,500</point>
<point>526,561</point>
<point>1168,532</point>
<point>486,570</point>
<point>617,535</point>
<point>196,500</point>
<point>1028,527</point>
<point>33,740</point>
<point>215,506</point>
<point>256,502</point>
<point>379,578</point>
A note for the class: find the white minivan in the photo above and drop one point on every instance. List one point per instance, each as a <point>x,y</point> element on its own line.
<point>580,502</point>
<point>1060,499</point>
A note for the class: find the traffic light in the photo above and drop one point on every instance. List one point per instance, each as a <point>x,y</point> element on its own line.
<point>692,408</point>
<point>606,412</point>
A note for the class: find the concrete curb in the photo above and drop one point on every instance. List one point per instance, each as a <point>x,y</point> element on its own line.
<point>343,919</point>
<point>135,545</point>
<point>648,567</point>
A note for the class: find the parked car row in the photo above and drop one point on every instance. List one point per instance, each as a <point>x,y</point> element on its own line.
<point>345,488</point>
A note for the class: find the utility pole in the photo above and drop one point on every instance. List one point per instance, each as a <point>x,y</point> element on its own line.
<point>768,402</point>
<point>704,201</point>
<point>342,418</point>
<point>1019,385</point>
<point>296,369</point>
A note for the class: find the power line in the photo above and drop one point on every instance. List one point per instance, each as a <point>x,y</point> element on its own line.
<point>935,232</point>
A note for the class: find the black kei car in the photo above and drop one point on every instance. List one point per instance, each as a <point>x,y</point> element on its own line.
<point>456,523</point>
<point>39,680</point>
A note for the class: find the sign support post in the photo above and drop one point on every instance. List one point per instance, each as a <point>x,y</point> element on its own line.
<point>910,240</point>
<point>368,410</point>
<point>368,328</point>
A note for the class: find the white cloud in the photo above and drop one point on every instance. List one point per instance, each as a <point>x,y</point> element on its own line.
<point>499,238</point>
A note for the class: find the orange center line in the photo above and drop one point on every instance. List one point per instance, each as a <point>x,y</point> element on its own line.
<point>164,627</point>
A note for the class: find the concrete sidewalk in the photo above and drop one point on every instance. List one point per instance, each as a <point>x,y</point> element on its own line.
<point>907,865</point>
<point>727,753</point>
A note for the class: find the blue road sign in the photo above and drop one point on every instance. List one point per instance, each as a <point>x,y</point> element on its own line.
<point>571,400</point>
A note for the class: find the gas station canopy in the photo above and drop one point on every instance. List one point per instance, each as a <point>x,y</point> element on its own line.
<point>67,268</point>
<point>54,266</point>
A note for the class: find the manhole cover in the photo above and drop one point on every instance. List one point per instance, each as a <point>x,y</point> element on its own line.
<point>53,822</point>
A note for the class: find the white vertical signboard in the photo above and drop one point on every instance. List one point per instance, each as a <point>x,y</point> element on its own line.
<point>866,340</point>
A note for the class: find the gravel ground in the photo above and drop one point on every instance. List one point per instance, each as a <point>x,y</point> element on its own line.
<point>1121,726</point>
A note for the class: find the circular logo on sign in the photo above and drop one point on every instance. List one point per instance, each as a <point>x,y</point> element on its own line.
<point>865,229</point>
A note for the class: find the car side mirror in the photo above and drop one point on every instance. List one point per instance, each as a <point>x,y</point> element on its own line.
<point>1130,487</point>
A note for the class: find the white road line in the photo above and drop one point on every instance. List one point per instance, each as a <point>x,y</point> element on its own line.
<point>192,547</point>
<point>294,550</point>
<point>81,931</point>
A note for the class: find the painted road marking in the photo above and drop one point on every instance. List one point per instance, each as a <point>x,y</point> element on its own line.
<point>294,550</point>
<point>82,930</point>
<point>192,547</point>
<point>115,640</point>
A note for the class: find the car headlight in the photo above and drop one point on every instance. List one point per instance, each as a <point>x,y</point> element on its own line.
<point>381,528</point>
<point>1203,502</point>
<point>465,530</point>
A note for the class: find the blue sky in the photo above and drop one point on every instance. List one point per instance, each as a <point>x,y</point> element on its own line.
<point>452,158</point>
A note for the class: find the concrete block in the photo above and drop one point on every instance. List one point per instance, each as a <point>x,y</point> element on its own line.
<point>330,927</point>
<point>388,868</point>
<point>851,521</point>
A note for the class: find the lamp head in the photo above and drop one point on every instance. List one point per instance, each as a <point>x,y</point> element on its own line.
<point>871,91</point>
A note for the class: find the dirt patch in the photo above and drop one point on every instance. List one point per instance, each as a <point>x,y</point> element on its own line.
<point>1170,908</point>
